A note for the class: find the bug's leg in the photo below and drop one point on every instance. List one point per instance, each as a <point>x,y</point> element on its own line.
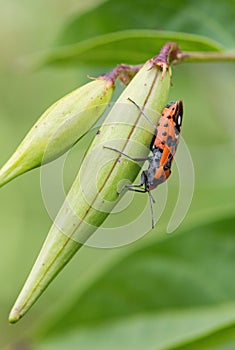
<point>143,113</point>
<point>126,155</point>
<point>145,183</point>
<point>144,190</point>
<point>133,186</point>
<point>151,201</point>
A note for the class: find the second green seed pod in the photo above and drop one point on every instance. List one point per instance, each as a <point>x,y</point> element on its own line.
<point>60,126</point>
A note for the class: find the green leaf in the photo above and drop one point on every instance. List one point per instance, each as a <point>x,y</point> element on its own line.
<point>221,339</point>
<point>149,332</point>
<point>130,46</point>
<point>161,294</point>
<point>208,18</point>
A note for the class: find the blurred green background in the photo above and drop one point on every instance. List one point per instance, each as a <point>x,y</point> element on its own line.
<point>162,292</point>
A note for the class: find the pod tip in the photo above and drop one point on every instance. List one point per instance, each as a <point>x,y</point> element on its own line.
<point>14,315</point>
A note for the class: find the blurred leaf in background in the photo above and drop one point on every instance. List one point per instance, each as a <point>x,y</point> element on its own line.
<point>180,297</point>
<point>162,292</point>
<point>208,18</point>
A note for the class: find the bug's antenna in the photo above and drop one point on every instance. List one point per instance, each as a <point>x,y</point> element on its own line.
<point>151,201</point>
<point>146,117</point>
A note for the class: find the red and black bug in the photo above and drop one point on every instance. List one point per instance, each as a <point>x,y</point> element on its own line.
<point>163,146</point>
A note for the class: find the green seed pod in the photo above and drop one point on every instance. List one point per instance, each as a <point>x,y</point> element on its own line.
<point>91,197</point>
<point>60,126</point>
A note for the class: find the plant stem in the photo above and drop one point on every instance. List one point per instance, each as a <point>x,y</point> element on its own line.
<point>204,57</point>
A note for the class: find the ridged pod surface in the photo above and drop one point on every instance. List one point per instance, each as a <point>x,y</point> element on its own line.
<point>94,191</point>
